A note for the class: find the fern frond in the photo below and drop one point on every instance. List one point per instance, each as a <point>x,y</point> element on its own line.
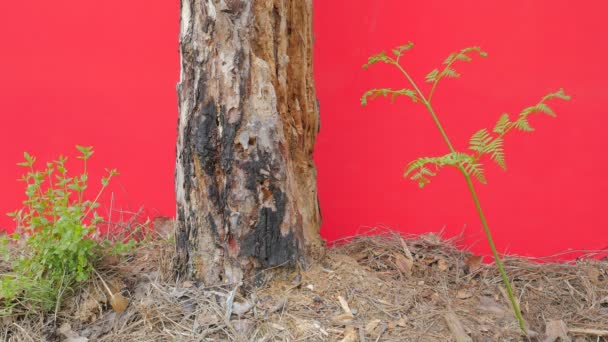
<point>560,94</point>
<point>475,170</point>
<point>479,141</point>
<point>523,125</point>
<point>454,159</point>
<point>450,58</point>
<point>497,152</point>
<point>423,174</point>
<point>462,55</point>
<point>378,58</point>
<point>420,173</point>
<point>543,108</point>
<point>449,72</point>
<point>417,164</point>
<point>398,51</point>
<point>502,124</point>
<point>432,76</point>
<point>374,93</point>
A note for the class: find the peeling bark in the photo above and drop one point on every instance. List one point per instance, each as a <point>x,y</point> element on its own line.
<point>248,119</point>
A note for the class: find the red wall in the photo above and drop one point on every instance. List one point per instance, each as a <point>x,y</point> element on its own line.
<point>104,74</point>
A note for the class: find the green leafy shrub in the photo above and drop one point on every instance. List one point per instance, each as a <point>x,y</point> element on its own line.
<point>484,142</point>
<point>54,245</point>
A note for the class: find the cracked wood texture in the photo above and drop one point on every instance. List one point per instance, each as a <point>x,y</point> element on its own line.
<point>248,119</point>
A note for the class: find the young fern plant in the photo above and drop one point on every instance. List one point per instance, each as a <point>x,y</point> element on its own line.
<point>483,142</point>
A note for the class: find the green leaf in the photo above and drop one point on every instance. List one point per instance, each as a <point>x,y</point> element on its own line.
<point>87,151</point>
<point>523,125</point>
<point>479,141</point>
<point>375,93</point>
<point>497,153</point>
<point>398,51</point>
<point>112,172</point>
<point>543,108</point>
<point>449,59</point>
<point>29,158</point>
<point>560,94</point>
<point>475,170</point>
<point>432,76</point>
<point>378,58</point>
<point>449,72</point>
<point>463,57</point>
<point>502,124</point>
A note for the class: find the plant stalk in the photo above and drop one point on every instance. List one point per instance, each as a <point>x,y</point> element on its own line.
<point>497,259</point>
<point>467,177</point>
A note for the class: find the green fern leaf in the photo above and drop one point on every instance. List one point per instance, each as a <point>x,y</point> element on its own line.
<point>423,173</point>
<point>502,124</point>
<point>543,108</point>
<point>398,51</point>
<point>449,72</point>
<point>462,57</point>
<point>527,111</point>
<point>475,170</point>
<point>416,164</point>
<point>454,159</point>
<point>450,58</point>
<point>479,141</point>
<point>385,92</point>
<point>560,94</point>
<point>427,172</point>
<point>432,76</point>
<point>523,125</point>
<point>378,58</point>
<point>497,152</point>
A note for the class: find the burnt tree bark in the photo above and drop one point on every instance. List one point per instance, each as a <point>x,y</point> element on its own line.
<point>248,119</point>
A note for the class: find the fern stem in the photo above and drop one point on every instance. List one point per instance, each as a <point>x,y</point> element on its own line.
<point>467,177</point>
<point>497,259</point>
<point>428,106</point>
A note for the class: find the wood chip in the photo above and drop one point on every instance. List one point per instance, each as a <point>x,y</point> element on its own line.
<point>371,326</point>
<point>442,265</point>
<point>555,330</point>
<point>463,294</point>
<point>241,308</point>
<point>473,263</point>
<point>350,335</point>
<point>404,264</point>
<point>594,274</point>
<point>345,307</point>
<point>431,238</point>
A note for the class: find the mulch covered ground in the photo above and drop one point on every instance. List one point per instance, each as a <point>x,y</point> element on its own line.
<point>380,288</point>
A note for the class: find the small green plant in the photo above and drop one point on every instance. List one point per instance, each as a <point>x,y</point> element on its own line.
<point>56,230</point>
<point>482,143</point>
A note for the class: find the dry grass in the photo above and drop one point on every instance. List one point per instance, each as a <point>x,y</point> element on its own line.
<point>370,288</point>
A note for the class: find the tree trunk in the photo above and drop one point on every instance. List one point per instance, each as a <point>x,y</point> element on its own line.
<point>248,119</point>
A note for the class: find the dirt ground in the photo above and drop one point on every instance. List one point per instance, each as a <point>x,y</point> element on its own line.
<point>381,288</point>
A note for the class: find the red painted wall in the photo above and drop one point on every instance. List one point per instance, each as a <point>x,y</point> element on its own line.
<point>104,74</point>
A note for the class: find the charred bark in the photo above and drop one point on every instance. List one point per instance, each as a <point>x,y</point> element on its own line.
<point>248,119</point>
